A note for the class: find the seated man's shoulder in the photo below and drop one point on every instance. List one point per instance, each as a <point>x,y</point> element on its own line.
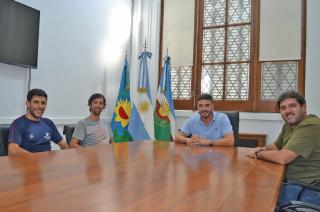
<point>82,121</point>
<point>311,120</point>
<point>20,121</point>
<point>104,120</point>
<point>194,117</point>
<point>221,115</point>
<point>46,120</point>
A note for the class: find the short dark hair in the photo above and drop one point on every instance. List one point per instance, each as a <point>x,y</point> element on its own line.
<point>36,92</point>
<point>291,95</point>
<point>205,96</point>
<point>96,96</point>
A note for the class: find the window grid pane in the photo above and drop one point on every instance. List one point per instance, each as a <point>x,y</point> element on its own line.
<point>214,12</point>
<point>237,85</point>
<point>213,45</point>
<point>235,66</point>
<point>181,81</point>
<point>239,11</point>
<point>212,80</point>
<point>238,43</point>
<point>277,77</point>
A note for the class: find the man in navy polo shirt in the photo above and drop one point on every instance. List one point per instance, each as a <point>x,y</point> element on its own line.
<point>207,127</point>
<point>32,133</point>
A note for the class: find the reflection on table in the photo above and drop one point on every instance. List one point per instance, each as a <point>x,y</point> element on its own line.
<point>139,176</point>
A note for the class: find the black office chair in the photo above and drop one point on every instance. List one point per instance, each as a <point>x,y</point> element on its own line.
<point>307,200</point>
<point>234,120</point>
<point>300,206</point>
<point>68,131</point>
<point>4,135</point>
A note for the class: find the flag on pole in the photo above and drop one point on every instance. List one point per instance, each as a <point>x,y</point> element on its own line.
<point>164,116</point>
<point>122,111</point>
<point>141,122</point>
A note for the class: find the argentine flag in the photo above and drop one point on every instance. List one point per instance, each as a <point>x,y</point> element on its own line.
<point>141,124</point>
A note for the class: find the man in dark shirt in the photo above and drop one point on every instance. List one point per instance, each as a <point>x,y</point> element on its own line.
<point>31,132</point>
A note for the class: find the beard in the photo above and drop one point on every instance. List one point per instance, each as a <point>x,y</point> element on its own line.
<point>293,119</point>
<point>205,114</point>
<point>96,111</point>
<point>36,114</point>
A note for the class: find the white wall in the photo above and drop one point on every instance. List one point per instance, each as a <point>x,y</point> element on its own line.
<point>82,45</point>
<point>313,57</point>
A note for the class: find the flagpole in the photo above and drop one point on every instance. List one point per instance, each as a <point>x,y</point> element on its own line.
<point>145,45</point>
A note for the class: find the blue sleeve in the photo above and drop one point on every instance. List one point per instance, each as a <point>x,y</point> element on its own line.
<point>56,136</point>
<point>226,125</point>
<point>186,129</point>
<point>16,132</point>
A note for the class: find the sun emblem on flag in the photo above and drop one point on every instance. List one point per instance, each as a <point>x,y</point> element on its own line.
<point>164,109</point>
<point>143,106</point>
<point>123,111</point>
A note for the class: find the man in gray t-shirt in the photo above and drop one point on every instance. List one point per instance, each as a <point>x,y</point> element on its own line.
<point>92,130</point>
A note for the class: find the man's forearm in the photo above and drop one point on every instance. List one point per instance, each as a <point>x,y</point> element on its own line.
<point>281,157</point>
<point>227,140</point>
<point>74,143</point>
<point>63,144</point>
<point>223,142</point>
<point>180,139</point>
<point>271,147</point>
<point>14,149</point>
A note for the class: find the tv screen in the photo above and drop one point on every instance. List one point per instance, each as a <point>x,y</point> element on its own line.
<point>19,34</point>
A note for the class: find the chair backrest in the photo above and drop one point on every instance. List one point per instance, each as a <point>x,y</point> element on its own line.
<point>300,206</point>
<point>68,131</point>
<point>234,120</point>
<point>309,194</point>
<point>4,135</point>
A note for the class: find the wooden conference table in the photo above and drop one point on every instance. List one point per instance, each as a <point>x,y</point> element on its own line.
<point>139,176</point>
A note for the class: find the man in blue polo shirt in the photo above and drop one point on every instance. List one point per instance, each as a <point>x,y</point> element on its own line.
<point>207,127</point>
<point>32,133</point>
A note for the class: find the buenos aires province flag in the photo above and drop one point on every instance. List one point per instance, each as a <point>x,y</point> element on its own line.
<point>141,121</point>
<point>122,110</point>
<point>164,116</point>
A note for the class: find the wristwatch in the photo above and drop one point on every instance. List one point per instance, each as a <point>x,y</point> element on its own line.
<point>257,152</point>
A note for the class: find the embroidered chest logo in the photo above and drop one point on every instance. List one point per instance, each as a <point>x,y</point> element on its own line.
<point>47,136</point>
<point>31,136</point>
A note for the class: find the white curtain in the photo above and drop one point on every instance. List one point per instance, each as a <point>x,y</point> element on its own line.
<point>280,30</point>
<point>145,29</point>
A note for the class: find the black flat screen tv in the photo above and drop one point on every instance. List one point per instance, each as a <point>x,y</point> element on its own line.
<point>19,34</point>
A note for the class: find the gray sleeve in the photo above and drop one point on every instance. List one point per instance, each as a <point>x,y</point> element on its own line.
<point>108,131</point>
<point>80,131</point>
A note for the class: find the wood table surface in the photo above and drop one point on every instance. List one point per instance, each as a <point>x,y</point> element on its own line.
<point>139,176</point>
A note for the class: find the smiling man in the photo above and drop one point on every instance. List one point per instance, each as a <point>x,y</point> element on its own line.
<point>207,128</point>
<point>92,130</point>
<point>297,147</point>
<point>31,132</point>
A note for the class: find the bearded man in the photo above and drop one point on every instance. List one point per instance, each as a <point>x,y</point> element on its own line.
<point>207,127</point>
